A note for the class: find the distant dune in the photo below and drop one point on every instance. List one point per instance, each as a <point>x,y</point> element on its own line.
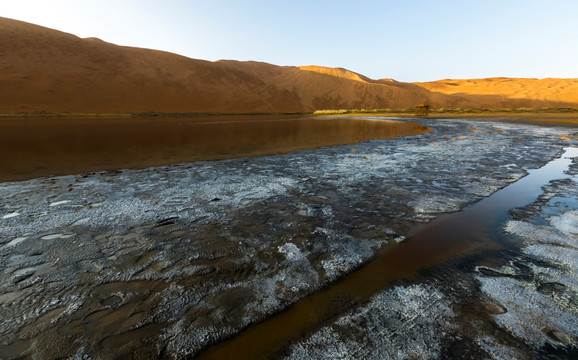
<point>510,92</point>
<point>48,70</point>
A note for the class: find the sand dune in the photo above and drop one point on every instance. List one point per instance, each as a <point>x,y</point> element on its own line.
<point>527,92</point>
<point>48,70</point>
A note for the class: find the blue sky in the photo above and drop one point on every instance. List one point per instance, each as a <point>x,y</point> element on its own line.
<point>411,40</point>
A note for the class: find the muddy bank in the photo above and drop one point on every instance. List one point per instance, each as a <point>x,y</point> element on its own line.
<point>169,260</point>
<point>517,299</point>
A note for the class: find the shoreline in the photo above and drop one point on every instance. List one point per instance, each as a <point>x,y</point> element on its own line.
<point>545,119</point>
<point>185,256</point>
<point>63,146</point>
<point>564,117</point>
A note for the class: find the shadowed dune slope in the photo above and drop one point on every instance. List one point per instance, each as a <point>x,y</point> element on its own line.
<point>48,70</point>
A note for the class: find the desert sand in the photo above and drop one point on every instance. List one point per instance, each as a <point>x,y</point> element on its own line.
<point>503,92</point>
<point>47,70</point>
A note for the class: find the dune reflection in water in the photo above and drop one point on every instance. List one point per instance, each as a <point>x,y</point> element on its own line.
<point>36,147</point>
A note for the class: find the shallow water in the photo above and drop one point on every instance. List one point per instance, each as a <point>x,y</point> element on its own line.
<point>169,260</point>
<point>450,236</point>
<point>38,147</point>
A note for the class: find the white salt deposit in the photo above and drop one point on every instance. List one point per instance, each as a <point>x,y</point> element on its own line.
<point>567,223</point>
<point>532,233</point>
<point>57,236</point>
<point>11,215</point>
<point>535,314</point>
<point>360,334</point>
<point>16,241</point>
<point>59,202</point>
<point>529,312</point>
<point>291,251</point>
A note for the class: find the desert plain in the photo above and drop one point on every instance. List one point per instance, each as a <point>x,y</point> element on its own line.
<point>331,250</point>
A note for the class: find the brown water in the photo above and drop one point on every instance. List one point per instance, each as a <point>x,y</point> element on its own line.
<point>37,147</point>
<point>474,229</point>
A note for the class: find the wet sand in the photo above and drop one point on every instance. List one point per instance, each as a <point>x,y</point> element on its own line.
<point>171,260</point>
<point>457,235</point>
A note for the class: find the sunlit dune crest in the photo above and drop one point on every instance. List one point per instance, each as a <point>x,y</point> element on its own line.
<point>542,92</point>
<point>337,72</point>
<point>48,70</point>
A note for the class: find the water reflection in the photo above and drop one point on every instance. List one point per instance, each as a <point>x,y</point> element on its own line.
<point>57,146</point>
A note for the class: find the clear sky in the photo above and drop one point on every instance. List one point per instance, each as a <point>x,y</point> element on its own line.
<point>409,40</point>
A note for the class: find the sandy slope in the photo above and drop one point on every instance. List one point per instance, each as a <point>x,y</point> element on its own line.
<point>535,92</point>
<point>47,70</point>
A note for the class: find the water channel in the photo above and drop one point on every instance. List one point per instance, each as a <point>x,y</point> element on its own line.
<point>476,227</point>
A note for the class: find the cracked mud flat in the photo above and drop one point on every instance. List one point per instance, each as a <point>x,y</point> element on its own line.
<point>169,260</point>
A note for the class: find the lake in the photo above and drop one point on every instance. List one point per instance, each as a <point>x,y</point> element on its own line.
<point>38,147</point>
